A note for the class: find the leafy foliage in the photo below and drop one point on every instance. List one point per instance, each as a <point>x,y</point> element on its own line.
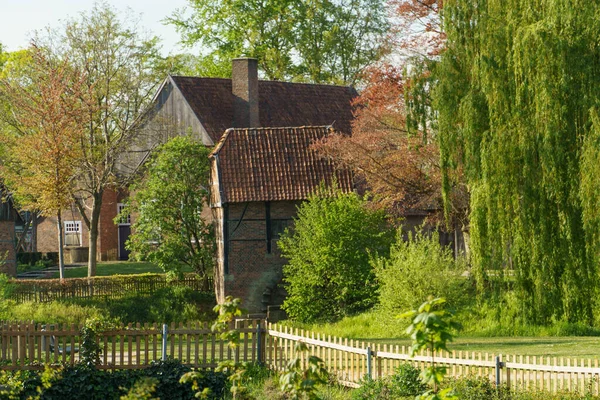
<point>328,273</point>
<point>170,228</point>
<point>123,69</point>
<point>516,92</point>
<point>404,382</point>
<point>299,381</point>
<point>431,329</point>
<point>321,41</point>
<point>82,381</point>
<point>417,268</point>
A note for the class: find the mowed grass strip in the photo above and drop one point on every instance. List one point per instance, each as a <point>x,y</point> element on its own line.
<point>116,268</point>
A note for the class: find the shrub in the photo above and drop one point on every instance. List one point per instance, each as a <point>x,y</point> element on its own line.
<point>373,389</point>
<point>406,381</point>
<point>328,274</point>
<point>86,382</point>
<point>51,313</point>
<point>416,269</point>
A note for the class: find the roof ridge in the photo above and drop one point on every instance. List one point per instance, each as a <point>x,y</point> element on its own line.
<point>267,81</point>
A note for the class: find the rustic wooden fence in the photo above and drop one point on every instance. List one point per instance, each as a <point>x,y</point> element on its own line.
<point>352,360</point>
<point>29,346</point>
<point>42,290</point>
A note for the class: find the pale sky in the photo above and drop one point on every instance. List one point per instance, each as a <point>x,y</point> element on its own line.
<point>20,18</point>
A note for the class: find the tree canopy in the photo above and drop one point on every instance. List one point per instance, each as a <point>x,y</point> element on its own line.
<point>170,227</point>
<point>43,130</point>
<point>517,95</point>
<point>319,41</point>
<point>328,274</point>
<point>123,69</point>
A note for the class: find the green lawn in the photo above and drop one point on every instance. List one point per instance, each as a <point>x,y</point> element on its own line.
<point>572,346</point>
<point>116,268</point>
<point>371,327</point>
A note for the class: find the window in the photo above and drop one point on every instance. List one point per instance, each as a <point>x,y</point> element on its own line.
<point>72,233</point>
<point>125,219</point>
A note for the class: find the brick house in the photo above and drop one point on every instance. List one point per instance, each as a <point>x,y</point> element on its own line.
<point>10,220</point>
<point>76,235</point>
<point>258,178</point>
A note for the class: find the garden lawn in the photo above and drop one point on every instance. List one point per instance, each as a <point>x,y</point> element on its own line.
<point>116,268</point>
<point>372,328</point>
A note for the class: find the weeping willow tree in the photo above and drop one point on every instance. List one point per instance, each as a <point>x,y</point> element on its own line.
<point>516,95</point>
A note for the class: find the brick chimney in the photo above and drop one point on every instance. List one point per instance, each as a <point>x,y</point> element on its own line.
<point>244,85</point>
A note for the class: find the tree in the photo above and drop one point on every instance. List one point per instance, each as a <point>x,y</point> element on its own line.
<point>517,93</point>
<point>123,69</point>
<point>42,150</point>
<point>321,41</point>
<point>400,167</point>
<point>169,226</point>
<point>328,275</point>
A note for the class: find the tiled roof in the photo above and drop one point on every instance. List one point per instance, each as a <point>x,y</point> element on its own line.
<point>281,104</point>
<point>269,164</point>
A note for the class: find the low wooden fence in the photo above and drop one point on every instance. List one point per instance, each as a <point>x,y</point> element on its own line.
<point>352,360</point>
<point>29,346</point>
<point>42,290</point>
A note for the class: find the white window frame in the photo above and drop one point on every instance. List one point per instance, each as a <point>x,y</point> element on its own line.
<point>73,228</point>
<point>120,207</point>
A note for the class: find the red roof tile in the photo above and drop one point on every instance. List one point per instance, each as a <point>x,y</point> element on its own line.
<point>281,104</point>
<point>269,164</point>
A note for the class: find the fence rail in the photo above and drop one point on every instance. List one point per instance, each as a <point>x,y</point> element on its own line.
<point>352,360</point>
<point>43,290</point>
<point>29,346</point>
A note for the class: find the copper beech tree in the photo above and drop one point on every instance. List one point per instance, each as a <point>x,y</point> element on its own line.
<point>44,127</point>
<point>396,156</point>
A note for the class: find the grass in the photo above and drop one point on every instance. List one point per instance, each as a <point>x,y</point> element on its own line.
<point>376,328</point>
<point>116,268</point>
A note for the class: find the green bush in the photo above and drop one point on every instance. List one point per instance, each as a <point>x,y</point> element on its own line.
<point>51,313</point>
<point>373,389</point>
<point>478,388</point>
<point>328,275</point>
<point>416,269</point>
<point>171,304</point>
<point>406,381</point>
<point>86,382</point>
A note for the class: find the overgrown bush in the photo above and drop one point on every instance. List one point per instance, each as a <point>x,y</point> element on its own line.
<point>52,312</point>
<point>328,274</point>
<point>172,304</point>
<point>416,269</point>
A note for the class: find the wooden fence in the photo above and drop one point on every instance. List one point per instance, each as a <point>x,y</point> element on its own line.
<point>42,290</point>
<point>352,360</point>
<point>29,346</point>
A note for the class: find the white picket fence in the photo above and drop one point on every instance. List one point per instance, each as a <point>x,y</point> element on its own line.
<point>352,360</point>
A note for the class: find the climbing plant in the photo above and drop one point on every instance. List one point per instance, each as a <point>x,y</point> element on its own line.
<point>516,93</point>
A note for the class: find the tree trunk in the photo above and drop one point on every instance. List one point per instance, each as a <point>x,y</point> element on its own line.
<point>61,255</point>
<point>93,240</point>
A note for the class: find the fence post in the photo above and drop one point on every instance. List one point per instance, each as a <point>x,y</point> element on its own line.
<point>498,367</point>
<point>259,358</point>
<point>369,365</point>
<point>165,332</point>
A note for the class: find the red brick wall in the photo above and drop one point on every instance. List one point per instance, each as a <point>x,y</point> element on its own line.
<point>108,240</point>
<point>107,230</point>
<point>254,274</point>
<point>7,245</point>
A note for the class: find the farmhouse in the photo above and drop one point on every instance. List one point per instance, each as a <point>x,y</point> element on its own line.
<point>204,108</point>
<point>258,178</point>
